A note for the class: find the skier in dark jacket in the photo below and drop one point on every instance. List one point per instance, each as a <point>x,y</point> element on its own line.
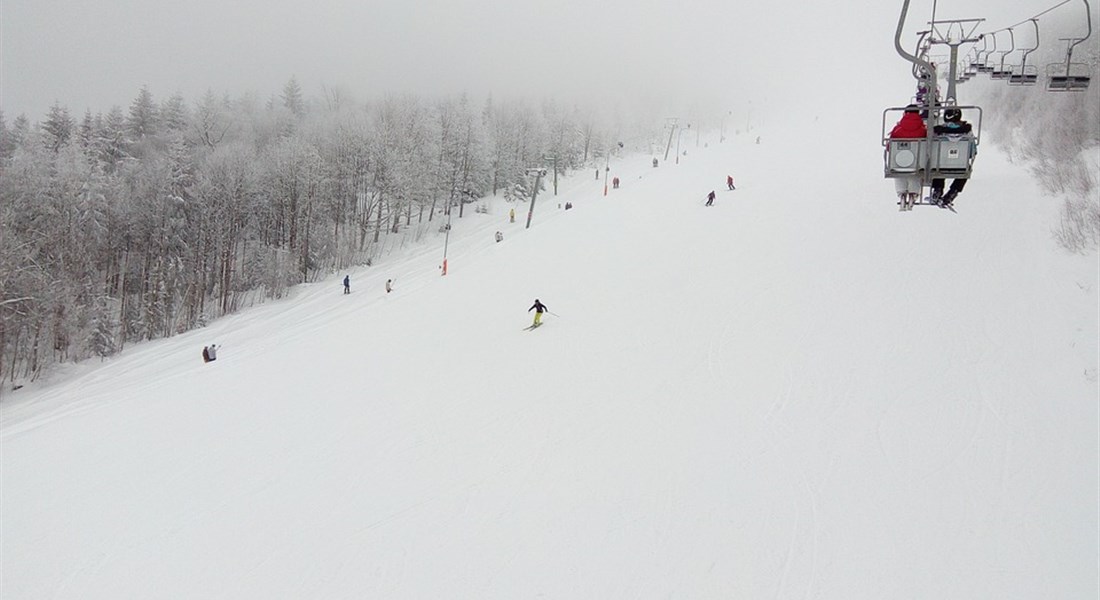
<point>710,198</point>
<point>539,308</point>
<point>952,125</point>
<point>347,284</point>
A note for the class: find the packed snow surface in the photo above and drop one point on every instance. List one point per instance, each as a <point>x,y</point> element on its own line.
<point>796,393</point>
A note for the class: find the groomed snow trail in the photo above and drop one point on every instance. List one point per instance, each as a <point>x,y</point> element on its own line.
<point>796,393</point>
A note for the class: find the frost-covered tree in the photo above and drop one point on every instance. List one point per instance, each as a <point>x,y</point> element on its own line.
<point>173,114</point>
<point>294,175</point>
<point>143,223</point>
<point>7,145</point>
<point>100,340</point>
<point>143,120</point>
<point>292,97</point>
<point>110,140</point>
<point>58,127</point>
<point>1057,136</point>
<point>20,132</point>
<point>86,132</point>
<point>211,121</point>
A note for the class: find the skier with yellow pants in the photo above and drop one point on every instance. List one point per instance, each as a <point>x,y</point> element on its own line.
<point>539,308</point>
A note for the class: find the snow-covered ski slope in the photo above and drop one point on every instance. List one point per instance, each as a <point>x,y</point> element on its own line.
<point>796,393</point>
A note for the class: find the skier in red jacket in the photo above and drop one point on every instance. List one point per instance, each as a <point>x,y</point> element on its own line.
<point>911,126</point>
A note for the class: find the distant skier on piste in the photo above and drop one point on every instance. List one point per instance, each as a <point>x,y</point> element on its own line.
<point>539,308</point>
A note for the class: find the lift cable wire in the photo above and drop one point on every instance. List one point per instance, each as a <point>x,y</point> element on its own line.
<point>1063,2</point>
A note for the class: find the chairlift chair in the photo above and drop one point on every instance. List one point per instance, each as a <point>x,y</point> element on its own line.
<point>1070,76</point>
<point>985,64</point>
<point>1003,71</point>
<point>938,157</point>
<point>1027,74</point>
<point>934,156</point>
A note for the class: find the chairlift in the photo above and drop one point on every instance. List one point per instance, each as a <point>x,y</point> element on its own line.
<point>971,62</point>
<point>1071,76</point>
<point>964,74</point>
<point>984,64</point>
<point>1003,71</point>
<point>937,156</point>
<point>1026,74</point>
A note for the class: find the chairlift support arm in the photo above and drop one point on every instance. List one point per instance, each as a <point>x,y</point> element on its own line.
<point>1075,41</point>
<point>965,37</point>
<point>917,61</point>
<point>1012,46</point>
<point>1023,62</point>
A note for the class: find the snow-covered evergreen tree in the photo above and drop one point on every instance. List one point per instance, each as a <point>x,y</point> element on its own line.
<point>58,127</point>
<point>143,120</point>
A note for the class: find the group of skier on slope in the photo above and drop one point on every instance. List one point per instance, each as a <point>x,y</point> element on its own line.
<point>347,285</point>
<point>209,352</point>
<point>711,195</point>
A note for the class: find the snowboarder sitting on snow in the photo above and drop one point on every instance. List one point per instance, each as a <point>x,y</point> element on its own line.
<point>953,125</point>
<point>500,237</point>
<point>210,353</point>
<point>710,198</point>
<point>539,308</point>
<point>389,285</point>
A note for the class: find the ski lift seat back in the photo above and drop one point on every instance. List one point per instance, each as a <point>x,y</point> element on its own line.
<point>944,155</point>
<point>1068,83</point>
<point>1029,75</point>
<point>904,157</point>
<point>953,153</point>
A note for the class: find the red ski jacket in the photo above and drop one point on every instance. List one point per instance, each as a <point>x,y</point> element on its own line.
<point>910,126</point>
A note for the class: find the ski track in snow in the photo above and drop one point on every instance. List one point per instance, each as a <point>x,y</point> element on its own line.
<point>785,395</point>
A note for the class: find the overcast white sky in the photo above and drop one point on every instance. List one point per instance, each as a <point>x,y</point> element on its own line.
<point>92,54</point>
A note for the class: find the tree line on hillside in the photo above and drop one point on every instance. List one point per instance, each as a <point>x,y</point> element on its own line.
<point>139,224</point>
<point>1057,135</point>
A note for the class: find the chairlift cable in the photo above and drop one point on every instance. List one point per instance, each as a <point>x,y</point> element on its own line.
<point>1063,2</point>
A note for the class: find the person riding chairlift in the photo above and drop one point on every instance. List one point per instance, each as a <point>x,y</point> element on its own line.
<point>952,125</point>
<point>911,126</point>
